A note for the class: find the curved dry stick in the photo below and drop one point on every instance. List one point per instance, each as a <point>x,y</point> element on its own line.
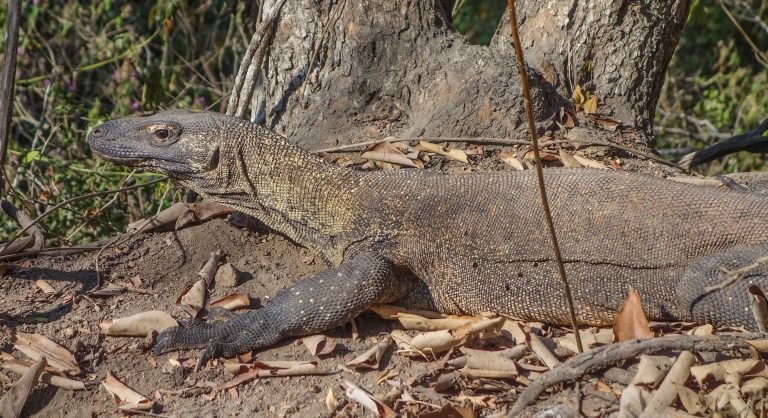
<point>73,200</point>
<point>57,251</point>
<point>608,355</point>
<point>752,141</point>
<point>540,174</point>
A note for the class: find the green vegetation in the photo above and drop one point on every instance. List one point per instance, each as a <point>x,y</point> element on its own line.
<point>81,62</point>
<point>716,82</point>
<point>84,62</point>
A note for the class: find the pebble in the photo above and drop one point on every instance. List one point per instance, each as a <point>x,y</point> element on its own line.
<point>228,276</point>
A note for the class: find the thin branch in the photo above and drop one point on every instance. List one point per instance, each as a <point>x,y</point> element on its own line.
<point>540,172</point>
<point>735,275</point>
<point>762,56</point>
<point>504,141</point>
<point>752,141</point>
<point>73,200</point>
<point>608,355</point>
<point>57,251</point>
<point>101,209</point>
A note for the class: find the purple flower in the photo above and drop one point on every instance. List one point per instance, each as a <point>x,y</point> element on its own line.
<point>136,105</point>
<point>71,87</point>
<point>46,82</point>
<point>134,74</point>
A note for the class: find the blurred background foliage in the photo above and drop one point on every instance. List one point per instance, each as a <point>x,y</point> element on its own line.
<point>83,62</point>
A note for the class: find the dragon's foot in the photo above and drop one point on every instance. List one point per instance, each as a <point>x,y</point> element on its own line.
<point>223,335</point>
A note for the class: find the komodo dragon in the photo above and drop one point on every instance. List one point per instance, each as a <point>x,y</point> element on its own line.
<point>460,243</point>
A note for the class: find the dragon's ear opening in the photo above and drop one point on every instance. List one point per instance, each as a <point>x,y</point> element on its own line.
<point>214,163</point>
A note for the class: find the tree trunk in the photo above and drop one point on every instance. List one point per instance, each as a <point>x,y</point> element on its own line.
<point>400,68</point>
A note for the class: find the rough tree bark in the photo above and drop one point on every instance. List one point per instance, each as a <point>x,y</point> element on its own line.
<point>400,68</point>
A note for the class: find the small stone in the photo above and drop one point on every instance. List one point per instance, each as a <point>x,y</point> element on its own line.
<point>228,276</point>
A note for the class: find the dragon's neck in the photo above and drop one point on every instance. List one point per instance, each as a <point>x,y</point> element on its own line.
<point>290,190</point>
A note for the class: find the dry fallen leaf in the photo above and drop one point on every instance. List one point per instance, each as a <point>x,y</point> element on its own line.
<point>702,330</point>
<point>541,349</point>
<point>125,397</point>
<point>392,312</point>
<point>568,160</point>
<point>590,106</point>
<point>385,152</point>
<point>630,322</point>
<point>36,346</point>
<point>484,359</point>
<point>330,401</point>
<point>741,366</point>
<point>319,345</point>
<point>759,307</point>
<point>22,366</point>
<point>420,323</point>
<point>193,213</point>
<point>14,399</point>
<point>232,302</point>
<point>192,299</point>
<point>545,156</point>
<point>577,95</point>
<point>755,386</point>
<point>566,120</point>
<point>247,372</point>
<point>708,374</point>
<point>483,401</point>
<point>606,123</point>
<point>666,393</point>
<point>45,287</point>
<point>634,400</point>
<point>443,340</point>
<point>452,153</point>
<point>511,159</point>
<point>741,408</point>
<point>450,411</point>
<point>586,162</point>
<point>359,395</point>
<point>513,330</point>
<point>371,358</point>
<point>589,339</point>
<point>651,370</point>
<point>208,272</point>
<point>692,401</point>
<point>138,325</point>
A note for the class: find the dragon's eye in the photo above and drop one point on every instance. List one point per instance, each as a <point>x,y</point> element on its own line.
<point>162,134</point>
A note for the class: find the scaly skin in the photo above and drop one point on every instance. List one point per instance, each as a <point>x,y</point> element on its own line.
<point>460,243</point>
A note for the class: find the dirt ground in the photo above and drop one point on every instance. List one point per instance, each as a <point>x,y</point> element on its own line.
<point>167,263</point>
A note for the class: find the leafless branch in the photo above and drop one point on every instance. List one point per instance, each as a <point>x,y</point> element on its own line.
<point>752,141</point>
<point>608,355</point>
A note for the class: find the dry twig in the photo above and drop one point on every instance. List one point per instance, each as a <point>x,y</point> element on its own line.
<point>608,355</point>
<point>540,173</point>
